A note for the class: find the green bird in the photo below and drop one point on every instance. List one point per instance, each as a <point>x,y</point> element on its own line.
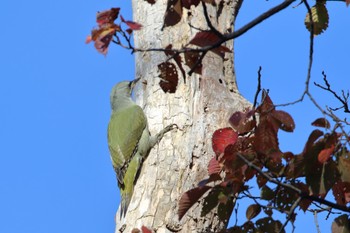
<point>129,139</point>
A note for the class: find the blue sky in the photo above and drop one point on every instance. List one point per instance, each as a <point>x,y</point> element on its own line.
<point>55,171</point>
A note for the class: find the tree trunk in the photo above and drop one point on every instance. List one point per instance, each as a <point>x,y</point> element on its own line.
<point>200,105</point>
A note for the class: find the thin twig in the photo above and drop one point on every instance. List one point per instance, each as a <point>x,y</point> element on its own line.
<point>258,89</point>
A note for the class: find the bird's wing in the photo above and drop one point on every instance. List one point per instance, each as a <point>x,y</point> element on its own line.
<point>124,132</point>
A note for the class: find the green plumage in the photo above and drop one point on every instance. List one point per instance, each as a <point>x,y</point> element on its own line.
<point>129,139</point>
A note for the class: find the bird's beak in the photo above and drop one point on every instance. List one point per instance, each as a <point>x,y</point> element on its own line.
<point>133,82</point>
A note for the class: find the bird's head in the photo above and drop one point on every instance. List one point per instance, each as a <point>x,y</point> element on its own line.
<point>122,90</point>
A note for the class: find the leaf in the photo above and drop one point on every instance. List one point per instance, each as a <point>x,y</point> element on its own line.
<point>312,138</point>
<point>173,13</point>
<point>347,2</point>
<point>169,77</point>
<point>168,51</point>
<point>266,105</point>
<point>214,167</point>
<point>191,59</point>
<point>225,210</point>
<point>321,177</point>
<point>107,17</point>
<point>341,224</point>
<point>285,120</point>
<point>269,225</point>
<point>321,122</point>
<point>252,211</point>
<point>103,37</point>
<point>320,18</point>
<point>325,154</point>
<point>344,165</point>
<point>211,200</point>
<point>341,192</point>
<point>304,203</point>
<point>145,230</point>
<point>190,197</point>
<point>266,193</point>
<point>188,3</point>
<point>243,122</point>
<point>209,38</point>
<point>132,25</point>
<point>222,138</point>
<point>151,1</point>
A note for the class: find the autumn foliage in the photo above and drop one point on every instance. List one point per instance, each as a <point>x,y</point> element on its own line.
<point>249,151</point>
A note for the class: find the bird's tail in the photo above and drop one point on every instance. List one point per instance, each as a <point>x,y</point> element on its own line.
<point>124,204</point>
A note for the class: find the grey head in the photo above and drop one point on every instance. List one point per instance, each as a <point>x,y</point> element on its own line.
<point>121,93</point>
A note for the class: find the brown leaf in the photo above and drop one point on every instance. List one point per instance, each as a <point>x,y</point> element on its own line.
<point>252,211</point>
<point>222,138</point>
<point>188,3</point>
<point>321,122</point>
<point>341,224</point>
<point>266,105</point>
<point>177,59</point>
<point>312,138</point>
<point>344,165</point>
<point>304,203</point>
<point>190,197</point>
<point>151,1</point>
<point>341,192</point>
<point>286,121</point>
<point>173,13</point>
<point>267,193</point>
<point>169,77</point>
<point>191,59</point>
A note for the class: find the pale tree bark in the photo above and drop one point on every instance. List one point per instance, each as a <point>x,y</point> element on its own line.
<point>199,106</point>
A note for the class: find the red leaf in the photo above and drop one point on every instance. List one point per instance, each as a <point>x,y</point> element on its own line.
<point>190,197</point>
<point>214,167</point>
<point>103,37</point>
<point>205,38</point>
<point>222,138</point>
<point>321,122</point>
<point>347,2</point>
<point>108,16</point>
<point>169,77</point>
<point>132,25</point>
<point>285,120</point>
<point>325,154</point>
<point>242,122</point>
<point>145,230</point>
